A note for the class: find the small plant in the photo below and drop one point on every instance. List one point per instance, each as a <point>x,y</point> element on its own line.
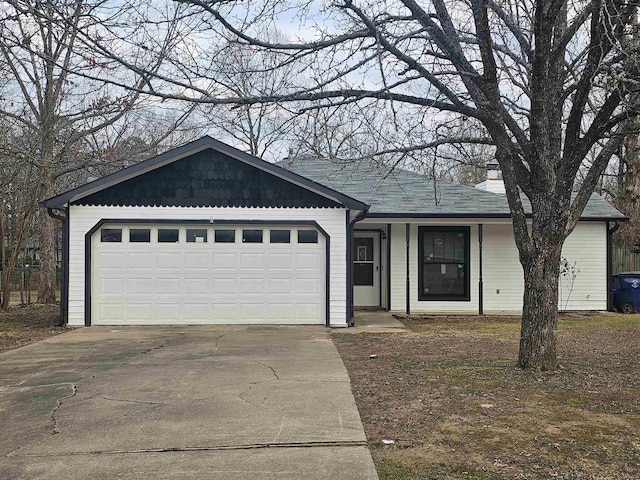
<point>568,273</point>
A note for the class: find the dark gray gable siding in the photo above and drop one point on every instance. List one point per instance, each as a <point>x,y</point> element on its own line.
<point>207,179</point>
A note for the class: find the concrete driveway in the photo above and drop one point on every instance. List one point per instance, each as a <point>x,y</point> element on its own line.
<point>234,402</point>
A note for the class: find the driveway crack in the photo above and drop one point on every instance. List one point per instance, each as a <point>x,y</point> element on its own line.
<point>273,370</point>
<point>248,446</point>
<point>59,402</point>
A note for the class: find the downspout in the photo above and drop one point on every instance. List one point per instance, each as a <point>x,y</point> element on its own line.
<point>408,285</point>
<point>64,274</point>
<point>610,232</point>
<point>480,285</point>
<point>351,320</point>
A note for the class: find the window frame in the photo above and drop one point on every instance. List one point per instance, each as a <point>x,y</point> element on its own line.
<point>313,233</point>
<point>251,231</point>
<point>275,240</point>
<point>168,230</point>
<point>425,297</point>
<point>191,231</point>
<point>223,231</point>
<point>104,232</point>
<point>138,231</point>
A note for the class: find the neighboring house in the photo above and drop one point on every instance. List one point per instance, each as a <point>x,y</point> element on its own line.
<point>206,233</point>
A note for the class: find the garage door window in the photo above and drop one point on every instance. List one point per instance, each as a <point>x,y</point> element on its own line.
<point>167,235</point>
<point>280,236</point>
<point>307,236</point>
<point>109,235</point>
<point>252,236</point>
<point>196,235</point>
<point>225,236</point>
<point>139,235</point>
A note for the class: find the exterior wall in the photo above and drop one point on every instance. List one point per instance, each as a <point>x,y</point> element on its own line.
<point>399,275</point>
<point>503,284</point>
<point>83,218</point>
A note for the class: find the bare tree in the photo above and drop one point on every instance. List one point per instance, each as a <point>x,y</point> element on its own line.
<point>48,94</point>
<point>550,81</point>
<point>247,72</point>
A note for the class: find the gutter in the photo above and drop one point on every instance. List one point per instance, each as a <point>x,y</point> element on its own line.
<point>64,287</point>
<point>610,232</point>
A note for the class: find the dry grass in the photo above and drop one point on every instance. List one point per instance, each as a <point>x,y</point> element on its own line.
<point>451,398</point>
<point>20,326</point>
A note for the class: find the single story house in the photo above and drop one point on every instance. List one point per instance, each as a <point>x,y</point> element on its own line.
<point>207,234</point>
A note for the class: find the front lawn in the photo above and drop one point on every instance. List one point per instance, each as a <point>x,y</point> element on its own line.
<point>449,396</point>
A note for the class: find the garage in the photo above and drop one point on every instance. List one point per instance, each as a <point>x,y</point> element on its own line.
<point>208,273</point>
<point>205,234</point>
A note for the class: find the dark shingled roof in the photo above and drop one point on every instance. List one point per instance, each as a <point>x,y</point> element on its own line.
<point>403,192</point>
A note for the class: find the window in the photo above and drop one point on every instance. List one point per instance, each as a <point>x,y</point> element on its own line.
<point>111,235</point>
<point>443,269</point>
<point>363,263</point>
<point>225,236</point>
<point>167,235</point>
<point>196,235</point>
<point>252,236</point>
<point>307,236</point>
<point>139,235</point>
<point>280,236</point>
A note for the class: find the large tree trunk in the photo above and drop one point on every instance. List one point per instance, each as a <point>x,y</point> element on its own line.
<point>47,237</point>
<point>540,310</point>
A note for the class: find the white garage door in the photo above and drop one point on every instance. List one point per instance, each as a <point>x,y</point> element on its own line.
<point>170,274</point>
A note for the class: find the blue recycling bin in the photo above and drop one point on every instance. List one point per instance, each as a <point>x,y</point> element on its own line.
<point>625,292</point>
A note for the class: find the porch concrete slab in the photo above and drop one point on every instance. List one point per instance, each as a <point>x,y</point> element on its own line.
<point>230,398</point>
<point>373,321</point>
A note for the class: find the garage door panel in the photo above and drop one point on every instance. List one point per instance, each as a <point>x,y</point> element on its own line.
<point>195,311</point>
<point>139,285</point>
<point>168,286</point>
<point>279,286</point>
<point>225,261</point>
<point>112,312</point>
<point>252,261</point>
<point>168,311</point>
<point>111,260</point>
<point>197,286</point>
<point>307,312</point>
<point>224,312</point>
<point>252,312</point>
<point>168,260</point>
<point>109,286</point>
<point>308,261</point>
<point>307,286</point>
<point>140,261</point>
<point>252,286</point>
<point>211,282</point>
<point>197,261</point>
<point>280,261</point>
<point>223,286</point>
<point>139,311</point>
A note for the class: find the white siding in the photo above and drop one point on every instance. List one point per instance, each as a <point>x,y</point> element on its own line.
<point>83,218</point>
<point>502,272</point>
<point>587,246</point>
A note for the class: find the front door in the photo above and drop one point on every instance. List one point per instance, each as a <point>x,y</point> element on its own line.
<point>366,269</point>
